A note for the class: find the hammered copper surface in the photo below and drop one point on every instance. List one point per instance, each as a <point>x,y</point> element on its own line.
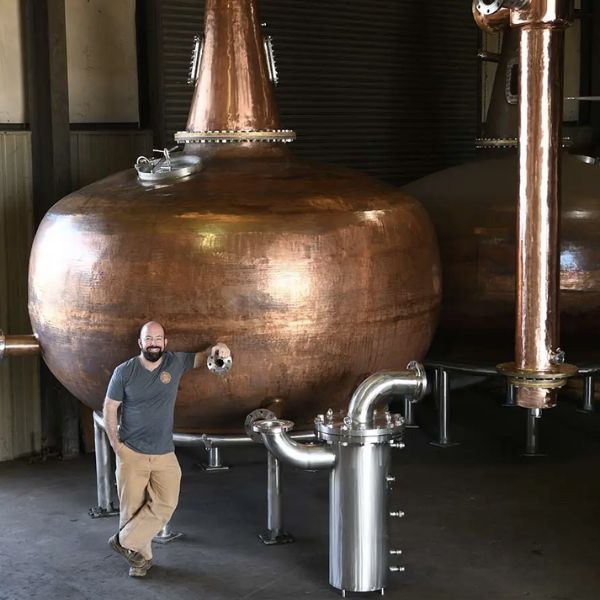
<point>313,276</point>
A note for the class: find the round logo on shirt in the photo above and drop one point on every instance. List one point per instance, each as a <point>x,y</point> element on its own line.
<point>165,377</point>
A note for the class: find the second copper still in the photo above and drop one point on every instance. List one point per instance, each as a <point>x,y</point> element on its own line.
<point>313,275</point>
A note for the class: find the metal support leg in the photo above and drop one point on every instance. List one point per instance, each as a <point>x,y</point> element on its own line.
<point>409,414</point>
<point>166,535</point>
<point>443,394</point>
<point>214,460</point>
<point>274,533</point>
<point>510,395</point>
<point>105,506</point>
<point>588,395</point>
<point>532,446</point>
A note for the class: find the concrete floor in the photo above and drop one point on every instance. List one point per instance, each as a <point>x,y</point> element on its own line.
<point>482,522</point>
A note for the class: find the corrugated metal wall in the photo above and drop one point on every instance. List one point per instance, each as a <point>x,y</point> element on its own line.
<point>94,154</point>
<point>387,87</point>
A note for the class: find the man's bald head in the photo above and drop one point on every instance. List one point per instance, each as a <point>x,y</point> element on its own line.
<point>152,341</point>
<point>152,328</point>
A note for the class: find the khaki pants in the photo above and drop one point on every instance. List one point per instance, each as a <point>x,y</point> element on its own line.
<point>148,486</point>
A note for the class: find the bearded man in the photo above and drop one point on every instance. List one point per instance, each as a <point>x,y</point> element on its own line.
<point>148,474</point>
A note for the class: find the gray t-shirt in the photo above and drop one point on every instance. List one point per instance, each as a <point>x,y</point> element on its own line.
<point>148,399</point>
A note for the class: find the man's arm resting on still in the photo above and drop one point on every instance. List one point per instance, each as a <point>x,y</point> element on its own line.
<point>111,421</point>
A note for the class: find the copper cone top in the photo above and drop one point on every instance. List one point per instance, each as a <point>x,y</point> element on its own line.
<point>233,91</point>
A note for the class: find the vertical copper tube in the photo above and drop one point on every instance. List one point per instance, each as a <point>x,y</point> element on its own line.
<point>233,91</point>
<point>540,117</point>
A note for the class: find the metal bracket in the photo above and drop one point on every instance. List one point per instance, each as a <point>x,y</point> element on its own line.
<point>194,69</point>
<point>271,65</point>
<point>98,512</point>
<point>166,535</point>
<point>512,72</point>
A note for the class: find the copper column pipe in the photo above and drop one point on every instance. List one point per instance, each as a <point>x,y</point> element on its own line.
<point>18,345</point>
<point>538,369</point>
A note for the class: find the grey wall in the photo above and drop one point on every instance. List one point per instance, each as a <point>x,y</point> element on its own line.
<point>94,154</point>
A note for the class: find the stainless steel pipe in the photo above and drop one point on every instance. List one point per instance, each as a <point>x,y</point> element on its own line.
<point>304,456</point>
<point>274,533</point>
<point>532,444</point>
<point>104,478</point>
<point>442,396</point>
<point>588,394</point>
<point>409,413</point>
<point>374,390</point>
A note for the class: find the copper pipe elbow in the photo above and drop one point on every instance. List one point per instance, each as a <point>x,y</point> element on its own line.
<point>18,345</point>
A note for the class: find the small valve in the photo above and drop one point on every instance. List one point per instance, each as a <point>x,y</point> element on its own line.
<point>395,552</point>
<point>396,569</point>
<point>398,514</point>
<point>396,444</point>
<point>390,479</point>
<point>557,357</point>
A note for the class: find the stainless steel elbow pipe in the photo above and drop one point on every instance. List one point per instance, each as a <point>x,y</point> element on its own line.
<point>374,391</point>
<point>357,453</point>
<point>284,448</point>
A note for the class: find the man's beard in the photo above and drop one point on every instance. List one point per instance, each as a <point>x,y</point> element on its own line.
<point>152,356</point>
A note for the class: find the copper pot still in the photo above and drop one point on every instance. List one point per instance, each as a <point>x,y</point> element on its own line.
<point>313,275</point>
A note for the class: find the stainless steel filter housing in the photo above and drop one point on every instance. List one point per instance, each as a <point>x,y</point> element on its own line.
<point>359,545</point>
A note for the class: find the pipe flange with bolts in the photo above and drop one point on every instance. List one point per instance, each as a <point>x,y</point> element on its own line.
<point>219,360</point>
<point>489,7</point>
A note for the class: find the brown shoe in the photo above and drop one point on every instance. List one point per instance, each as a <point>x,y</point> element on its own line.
<point>140,571</point>
<point>135,559</point>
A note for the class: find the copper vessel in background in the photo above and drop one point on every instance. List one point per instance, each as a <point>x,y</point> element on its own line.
<point>473,209</point>
<point>313,275</point>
